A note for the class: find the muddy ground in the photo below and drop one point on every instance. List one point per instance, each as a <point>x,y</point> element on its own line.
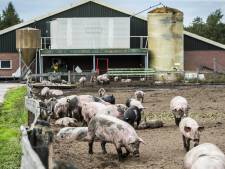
<point>163,148</point>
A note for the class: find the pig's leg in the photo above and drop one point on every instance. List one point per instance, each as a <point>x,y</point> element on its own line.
<point>138,122</point>
<point>119,152</point>
<point>84,123</point>
<point>103,143</point>
<point>90,144</point>
<point>184,141</point>
<point>127,152</point>
<point>188,144</point>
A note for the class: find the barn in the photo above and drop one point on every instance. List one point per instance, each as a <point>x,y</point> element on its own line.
<point>96,36</point>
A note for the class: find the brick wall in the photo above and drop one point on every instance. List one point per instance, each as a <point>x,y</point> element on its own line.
<point>197,59</point>
<point>14,57</point>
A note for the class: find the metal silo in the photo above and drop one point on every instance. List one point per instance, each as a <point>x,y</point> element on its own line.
<point>165,39</point>
<point>27,41</point>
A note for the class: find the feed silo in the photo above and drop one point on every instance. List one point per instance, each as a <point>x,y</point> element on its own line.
<point>28,40</point>
<point>165,39</point>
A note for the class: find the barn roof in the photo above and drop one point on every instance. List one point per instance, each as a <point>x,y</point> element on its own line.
<point>81,2</point>
<point>100,2</point>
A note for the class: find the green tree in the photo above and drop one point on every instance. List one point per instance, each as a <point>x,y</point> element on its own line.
<point>198,26</point>
<point>0,21</point>
<point>9,17</point>
<point>213,28</point>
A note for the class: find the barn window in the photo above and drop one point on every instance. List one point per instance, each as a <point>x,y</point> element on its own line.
<point>5,64</point>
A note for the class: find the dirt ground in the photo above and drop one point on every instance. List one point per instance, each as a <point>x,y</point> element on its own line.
<point>163,148</point>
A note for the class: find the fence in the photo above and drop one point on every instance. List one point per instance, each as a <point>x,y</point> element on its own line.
<point>36,140</point>
<point>30,159</point>
<point>69,76</point>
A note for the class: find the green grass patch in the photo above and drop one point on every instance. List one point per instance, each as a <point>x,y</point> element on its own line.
<point>12,116</point>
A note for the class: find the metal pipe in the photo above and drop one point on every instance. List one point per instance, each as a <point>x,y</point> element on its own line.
<point>20,60</point>
<point>93,62</point>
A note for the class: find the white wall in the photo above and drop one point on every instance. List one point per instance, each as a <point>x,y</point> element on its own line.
<point>90,33</point>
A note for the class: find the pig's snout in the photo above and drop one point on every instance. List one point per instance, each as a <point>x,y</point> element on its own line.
<point>177,120</point>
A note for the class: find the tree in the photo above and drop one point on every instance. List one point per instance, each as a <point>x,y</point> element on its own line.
<point>0,22</point>
<point>213,28</point>
<point>198,26</point>
<point>9,17</point>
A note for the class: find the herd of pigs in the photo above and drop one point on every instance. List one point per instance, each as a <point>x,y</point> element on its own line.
<point>106,122</point>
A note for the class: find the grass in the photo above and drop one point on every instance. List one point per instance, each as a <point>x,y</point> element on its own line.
<point>12,115</point>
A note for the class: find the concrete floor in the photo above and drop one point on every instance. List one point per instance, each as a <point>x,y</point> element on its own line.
<point>6,86</point>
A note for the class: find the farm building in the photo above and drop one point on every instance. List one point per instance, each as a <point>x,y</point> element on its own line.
<point>96,36</point>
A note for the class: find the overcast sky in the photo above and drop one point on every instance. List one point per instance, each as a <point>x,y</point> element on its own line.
<point>27,9</point>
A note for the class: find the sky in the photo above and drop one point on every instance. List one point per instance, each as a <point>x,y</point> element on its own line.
<point>28,9</point>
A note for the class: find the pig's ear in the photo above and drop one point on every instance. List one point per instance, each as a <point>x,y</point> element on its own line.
<point>187,129</point>
<point>142,141</point>
<point>201,128</point>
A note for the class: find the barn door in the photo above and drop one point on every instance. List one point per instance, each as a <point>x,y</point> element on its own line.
<point>102,65</point>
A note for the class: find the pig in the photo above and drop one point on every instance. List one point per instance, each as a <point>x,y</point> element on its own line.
<point>93,79</point>
<point>74,108</point>
<point>46,92</point>
<point>74,133</point>
<point>121,108</point>
<point>190,130</point>
<point>90,109</point>
<point>109,98</point>
<point>133,114</point>
<point>139,95</point>
<point>205,156</point>
<point>82,80</point>
<point>142,79</point>
<point>63,106</point>
<point>134,102</point>
<point>126,80</point>
<point>101,92</point>
<point>110,129</point>
<point>89,98</point>
<point>113,110</point>
<point>55,92</point>
<point>116,78</point>
<point>66,121</point>
<point>103,79</point>
<point>47,108</point>
<point>50,103</point>
<point>179,107</point>
<point>61,110</point>
<point>152,124</point>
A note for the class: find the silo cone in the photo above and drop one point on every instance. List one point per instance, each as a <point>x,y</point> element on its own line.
<point>165,40</point>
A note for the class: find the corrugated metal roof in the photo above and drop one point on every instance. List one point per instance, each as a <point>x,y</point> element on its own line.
<point>65,9</point>
<point>204,39</point>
